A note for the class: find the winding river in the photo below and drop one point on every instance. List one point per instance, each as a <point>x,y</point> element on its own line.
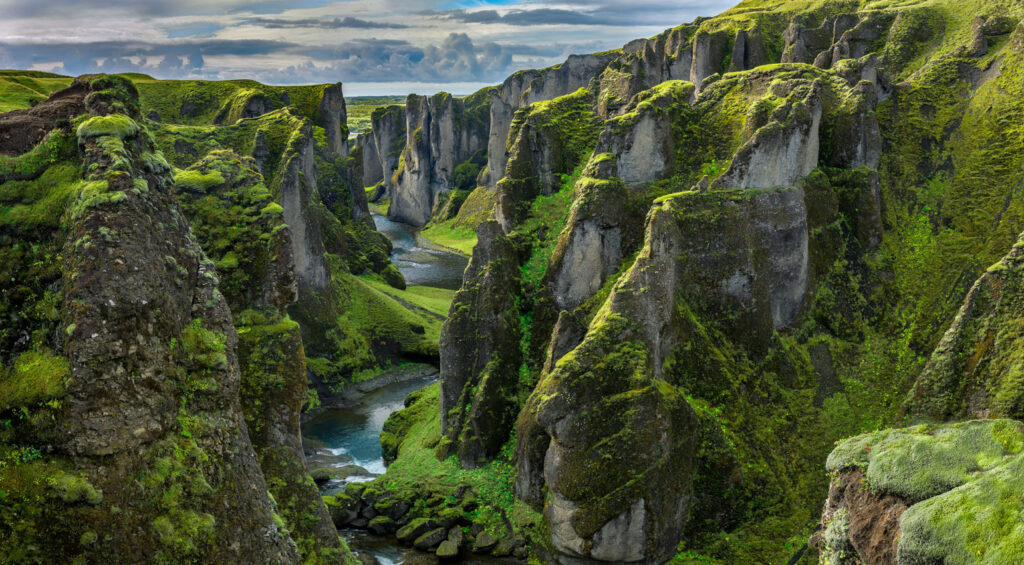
<point>421,265</point>
<point>347,439</point>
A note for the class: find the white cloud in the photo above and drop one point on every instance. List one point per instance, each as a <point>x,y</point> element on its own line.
<point>406,42</point>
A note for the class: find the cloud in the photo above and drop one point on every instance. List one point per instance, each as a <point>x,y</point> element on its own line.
<point>456,59</point>
<point>539,16</point>
<point>589,13</point>
<point>325,40</point>
<point>336,23</point>
<point>176,60</point>
<point>148,8</point>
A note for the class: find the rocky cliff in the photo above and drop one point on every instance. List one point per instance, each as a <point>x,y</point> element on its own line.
<point>131,436</point>
<point>258,279</point>
<point>442,133</point>
<point>347,325</point>
<point>525,88</point>
<point>785,226</point>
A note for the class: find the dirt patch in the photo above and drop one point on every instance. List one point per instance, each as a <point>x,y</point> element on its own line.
<point>874,520</point>
<point>21,130</point>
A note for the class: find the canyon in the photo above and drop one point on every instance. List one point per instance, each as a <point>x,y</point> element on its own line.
<point>741,292</point>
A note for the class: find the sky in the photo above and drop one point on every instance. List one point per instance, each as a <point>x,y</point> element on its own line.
<point>375,47</point>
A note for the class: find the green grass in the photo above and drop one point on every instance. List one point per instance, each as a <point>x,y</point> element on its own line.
<point>360,313</point>
<point>25,89</point>
<point>451,235</point>
<point>360,109</point>
<point>436,300</point>
<point>381,314</point>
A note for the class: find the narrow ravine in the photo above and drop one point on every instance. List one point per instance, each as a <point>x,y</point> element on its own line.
<point>346,440</point>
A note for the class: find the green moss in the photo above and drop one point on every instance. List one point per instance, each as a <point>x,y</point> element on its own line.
<point>116,125</point>
<point>197,181</point>
<point>204,347</point>
<point>28,206</point>
<point>976,523</point>
<point>56,147</point>
<point>74,489</point>
<point>924,461</point>
<point>198,102</point>
<point>36,377</point>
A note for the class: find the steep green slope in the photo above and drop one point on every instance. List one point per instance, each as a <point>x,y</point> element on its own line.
<point>23,89</point>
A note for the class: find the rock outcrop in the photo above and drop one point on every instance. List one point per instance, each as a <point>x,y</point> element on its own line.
<point>784,150</point>
<point>298,187</point>
<point>258,281</point>
<point>547,144</point>
<point>441,133</point>
<point>142,433</point>
<point>525,88</point>
<point>925,494</point>
<point>389,141</point>
<point>480,367</point>
<point>331,116</point>
<point>633,151</point>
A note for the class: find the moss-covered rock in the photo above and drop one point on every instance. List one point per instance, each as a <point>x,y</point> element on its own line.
<point>480,371</point>
<point>926,493</point>
<point>975,370</point>
<point>149,446</point>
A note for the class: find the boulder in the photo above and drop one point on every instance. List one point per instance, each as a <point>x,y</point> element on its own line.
<point>431,539</point>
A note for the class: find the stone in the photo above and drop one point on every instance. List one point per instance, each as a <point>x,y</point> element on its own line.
<point>414,529</point>
<point>448,550</point>
<point>431,539</point>
<point>382,525</point>
<point>485,542</point>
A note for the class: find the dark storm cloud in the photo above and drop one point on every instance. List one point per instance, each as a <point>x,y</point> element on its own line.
<point>326,23</point>
<point>591,13</point>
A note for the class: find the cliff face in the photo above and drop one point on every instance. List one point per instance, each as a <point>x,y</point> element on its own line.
<point>525,88</point>
<point>442,133</point>
<point>650,354</point>
<point>138,438</point>
<point>347,326</point>
<point>258,279</point>
<point>389,140</point>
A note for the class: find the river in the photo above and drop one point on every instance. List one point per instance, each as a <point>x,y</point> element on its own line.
<point>420,265</point>
<point>348,438</point>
